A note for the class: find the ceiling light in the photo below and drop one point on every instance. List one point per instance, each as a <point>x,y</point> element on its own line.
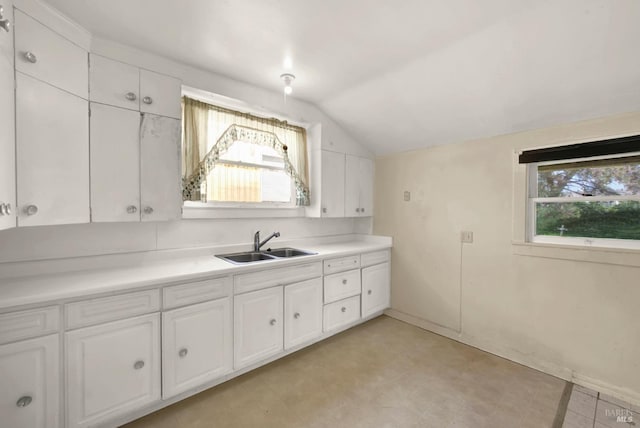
<point>287,78</point>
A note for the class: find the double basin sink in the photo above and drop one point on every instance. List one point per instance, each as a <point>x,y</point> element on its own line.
<point>257,256</point>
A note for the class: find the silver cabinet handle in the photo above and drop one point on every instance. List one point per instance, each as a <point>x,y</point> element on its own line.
<point>131,96</point>
<point>344,281</point>
<point>361,210</point>
<point>183,352</point>
<point>5,209</point>
<point>147,100</point>
<point>132,209</point>
<point>343,309</point>
<point>148,210</point>
<point>296,315</point>
<point>324,210</point>
<point>31,57</point>
<point>24,401</point>
<point>4,23</point>
<point>138,365</point>
<point>31,210</point>
<point>273,321</point>
<point>369,292</point>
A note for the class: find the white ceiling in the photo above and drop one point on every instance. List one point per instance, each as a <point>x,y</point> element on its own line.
<point>403,74</point>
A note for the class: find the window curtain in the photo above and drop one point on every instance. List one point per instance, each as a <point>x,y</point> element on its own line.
<point>210,134</point>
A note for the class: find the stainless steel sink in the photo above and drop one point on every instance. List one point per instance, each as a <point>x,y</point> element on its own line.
<point>288,252</point>
<point>253,256</point>
<point>248,257</point>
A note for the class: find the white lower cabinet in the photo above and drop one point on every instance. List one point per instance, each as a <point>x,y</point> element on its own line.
<point>196,345</point>
<point>258,331</point>
<point>302,312</point>
<point>112,369</point>
<point>376,289</point>
<point>341,313</point>
<point>29,383</point>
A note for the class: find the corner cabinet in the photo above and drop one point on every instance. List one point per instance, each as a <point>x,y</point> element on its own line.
<point>359,176</point>
<point>7,137</point>
<point>112,369</point>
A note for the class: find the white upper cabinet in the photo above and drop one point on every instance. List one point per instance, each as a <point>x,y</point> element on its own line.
<point>114,83</point>
<point>7,136</point>
<point>332,187</point>
<point>29,383</point>
<point>197,345</point>
<point>160,94</point>
<point>49,57</point>
<point>112,369</point>
<point>52,154</point>
<point>359,186</point>
<point>115,164</point>
<point>160,169</point>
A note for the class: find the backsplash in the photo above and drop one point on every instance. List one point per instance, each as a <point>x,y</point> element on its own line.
<point>50,242</point>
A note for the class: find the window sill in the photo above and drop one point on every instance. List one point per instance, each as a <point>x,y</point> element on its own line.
<point>610,256</point>
<point>208,212</point>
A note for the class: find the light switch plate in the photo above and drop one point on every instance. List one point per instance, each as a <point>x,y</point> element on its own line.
<point>466,237</point>
<point>407,196</point>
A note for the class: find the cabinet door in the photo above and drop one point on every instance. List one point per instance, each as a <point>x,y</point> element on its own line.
<point>196,345</point>
<point>49,57</point>
<point>7,136</point>
<point>115,164</point>
<point>29,383</point>
<point>114,83</point>
<point>352,186</point>
<point>160,169</point>
<point>258,330</point>
<point>332,188</point>
<point>112,369</point>
<point>302,312</point>
<point>52,154</point>
<point>376,289</point>
<point>160,94</point>
<point>366,187</point>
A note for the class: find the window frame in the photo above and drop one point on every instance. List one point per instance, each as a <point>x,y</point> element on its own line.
<point>532,199</point>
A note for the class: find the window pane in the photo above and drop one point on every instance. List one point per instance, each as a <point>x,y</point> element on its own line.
<point>241,151</point>
<point>276,186</point>
<point>592,178</point>
<point>611,219</point>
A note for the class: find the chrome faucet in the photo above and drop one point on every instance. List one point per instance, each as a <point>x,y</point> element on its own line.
<point>256,240</point>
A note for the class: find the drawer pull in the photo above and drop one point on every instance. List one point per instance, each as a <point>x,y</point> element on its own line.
<point>183,352</point>
<point>148,210</point>
<point>147,100</point>
<point>369,292</point>
<point>138,365</point>
<point>132,209</point>
<point>344,309</point>
<point>296,315</point>
<point>31,57</point>
<point>131,96</point>
<point>344,281</point>
<point>24,401</point>
<point>31,210</point>
<point>273,321</point>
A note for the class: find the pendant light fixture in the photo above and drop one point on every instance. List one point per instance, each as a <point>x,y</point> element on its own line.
<point>287,78</point>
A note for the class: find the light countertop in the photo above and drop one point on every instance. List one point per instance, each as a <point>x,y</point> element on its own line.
<point>135,272</point>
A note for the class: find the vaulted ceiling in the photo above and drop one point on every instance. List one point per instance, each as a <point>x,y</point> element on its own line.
<point>400,75</point>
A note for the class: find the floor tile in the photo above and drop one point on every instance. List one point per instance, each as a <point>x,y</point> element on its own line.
<point>583,404</point>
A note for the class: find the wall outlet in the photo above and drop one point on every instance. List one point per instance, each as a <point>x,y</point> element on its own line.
<point>407,196</point>
<point>466,237</point>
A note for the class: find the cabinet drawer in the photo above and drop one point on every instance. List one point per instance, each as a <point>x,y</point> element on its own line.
<point>374,258</point>
<point>341,313</point>
<point>195,292</point>
<point>114,83</point>
<point>341,264</point>
<point>272,277</point>
<point>26,324</point>
<point>47,56</point>
<point>341,285</point>
<point>111,308</point>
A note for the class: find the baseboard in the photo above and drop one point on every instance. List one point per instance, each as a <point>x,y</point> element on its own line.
<point>565,373</point>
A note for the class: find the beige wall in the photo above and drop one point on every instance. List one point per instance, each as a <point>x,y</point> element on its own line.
<point>575,319</point>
